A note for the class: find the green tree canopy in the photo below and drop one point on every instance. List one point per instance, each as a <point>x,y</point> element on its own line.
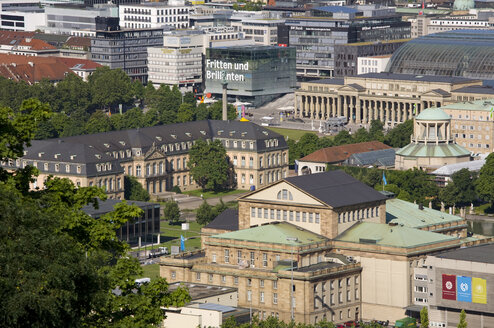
<point>461,190</point>
<point>110,87</point>
<point>424,318</point>
<point>399,136</point>
<point>209,165</point>
<point>485,183</point>
<point>463,320</point>
<point>133,190</point>
<point>343,138</point>
<point>205,213</point>
<point>171,211</point>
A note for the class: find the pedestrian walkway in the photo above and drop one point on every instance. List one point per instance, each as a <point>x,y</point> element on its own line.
<point>194,202</point>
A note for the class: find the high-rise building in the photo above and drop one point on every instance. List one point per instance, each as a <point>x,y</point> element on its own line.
<point>154,15</point>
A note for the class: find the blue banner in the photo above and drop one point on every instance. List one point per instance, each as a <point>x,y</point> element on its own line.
<point>464,288</point>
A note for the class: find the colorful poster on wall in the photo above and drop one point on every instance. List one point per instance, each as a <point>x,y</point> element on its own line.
<point>479,290</point>
<point>449,287</point>
<point>464,288</point>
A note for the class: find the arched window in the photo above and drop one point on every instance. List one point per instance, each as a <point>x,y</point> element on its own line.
<point>284,194</point>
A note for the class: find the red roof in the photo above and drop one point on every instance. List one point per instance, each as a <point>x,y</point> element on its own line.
<point>36,44</point>
<point>78,42</point>
<point>7,36</point>
<point>338,154</point>
<point>84,64</point>
<point>32,69</point>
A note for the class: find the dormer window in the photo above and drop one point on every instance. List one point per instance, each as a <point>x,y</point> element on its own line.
<point>106,145</point>
<point>122,143</point>
<point>67,168</point>
<point>45,166</point>
<point>159,138</point>
<point>188,134</point>
<point>203,132</point>
<point>173,136</point>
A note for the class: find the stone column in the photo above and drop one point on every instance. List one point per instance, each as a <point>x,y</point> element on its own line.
<point>365,119</point>
<point>358,115</point>
<point>345,108</point>
<point>295,107</point>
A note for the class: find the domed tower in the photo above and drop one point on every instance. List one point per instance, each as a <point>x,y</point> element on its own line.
<point>432,144</point>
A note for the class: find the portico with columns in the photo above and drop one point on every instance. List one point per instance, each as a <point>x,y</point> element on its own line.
<point>390,98</point>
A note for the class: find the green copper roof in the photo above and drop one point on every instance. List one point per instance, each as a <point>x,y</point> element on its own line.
<point>432,114</point>
<point>484,105</point>
<point>386,235</point>
<point>433,150</point>
<point>274,233</point>
<point>408,214</point>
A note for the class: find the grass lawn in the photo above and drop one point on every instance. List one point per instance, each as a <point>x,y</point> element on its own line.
<point>212,194</point>
<point>484,209</point>
<point>291,133</point>
<point>151,271</point>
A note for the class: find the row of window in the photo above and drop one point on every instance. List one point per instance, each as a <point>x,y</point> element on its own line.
<point>174,11</point>
<point>271,160</point>
<point>357,215</point>
<point>471,136</point>
<point>67,167</point>
<point>251,262</point>
<point>272,214</point>
<point>471,145</point>
<point>159,168</point>
<point>320,301</point>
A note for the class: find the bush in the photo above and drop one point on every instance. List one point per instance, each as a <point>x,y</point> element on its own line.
<point>176,189</point>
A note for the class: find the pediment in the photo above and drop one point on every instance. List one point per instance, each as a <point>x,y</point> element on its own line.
<point>270,194</point>
<point>351,88</point>
<point>154,153</point>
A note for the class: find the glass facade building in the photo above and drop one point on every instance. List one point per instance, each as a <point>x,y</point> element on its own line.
<point>465,53</point>
<point>252,73</point>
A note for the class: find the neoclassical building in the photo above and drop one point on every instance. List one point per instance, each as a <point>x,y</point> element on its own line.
<point>157,156</point>
<point>390,98</point>
<point>432,144</point>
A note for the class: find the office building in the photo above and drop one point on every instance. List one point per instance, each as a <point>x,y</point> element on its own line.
<point>141,229</point>
<point>179,61</point>
<point>157,156</point>
<point>255,74</point>
<point>456,280</point>
<point>126,49</point>
<point>425,25</point>
<point>372,64</point>
<point>390,98</point>
<point>154,15</point>
<point>461,53</point>
<point>262,30</point>
<point>316,38</point>
<point>65,19</point>
<point>347,56</point>
<point>23,15</point>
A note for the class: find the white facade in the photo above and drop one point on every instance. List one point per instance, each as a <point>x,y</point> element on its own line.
<point>372,64</point>
<point>154,15</point>
<point>422,25</point>
<point>60,20</point>
<point>264,31</point>
<point>21,15</point>
<point>178,62</point>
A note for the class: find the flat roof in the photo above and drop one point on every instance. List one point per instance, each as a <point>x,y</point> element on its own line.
<point>317,267</point>
<point>109,204</point>
<point>414,77</point>
<point>199,291</point>
<point>484,105</point>
<point>481,253</point>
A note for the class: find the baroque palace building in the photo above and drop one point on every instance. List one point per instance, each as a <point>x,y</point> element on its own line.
<point>157,156</point>
<point>390,98</point>
<point>353,257</point>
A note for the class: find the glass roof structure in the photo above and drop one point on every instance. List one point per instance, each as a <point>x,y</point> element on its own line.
<point>465,53</point>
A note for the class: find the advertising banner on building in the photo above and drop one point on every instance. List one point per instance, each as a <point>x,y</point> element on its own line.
<point>479,290</point>
<point>464,288</point>
<point>449,287</point>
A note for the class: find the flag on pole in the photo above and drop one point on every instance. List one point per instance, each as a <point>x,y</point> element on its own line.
<point>384,179</point>
<point>182,243</point>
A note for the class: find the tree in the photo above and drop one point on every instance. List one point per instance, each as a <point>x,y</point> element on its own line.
<point>216,111</point>
<point>171,212</point>
<point>133,190</point>
<point>399,136</point>
<point>343,138</point>
<point>461,190</point>
<point>424,318</point>
<point>362,135</point>
<point>61,267</point>
<point>110,87</point>
<point>202,112</point>
<point>98,122</point>
<point>308,144</point>
<point>485,183</point>
<point>205,213</point>
<point>185,113</point>
<point>463,320</point>
<point>209,165</point>
<point>376,130</point>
